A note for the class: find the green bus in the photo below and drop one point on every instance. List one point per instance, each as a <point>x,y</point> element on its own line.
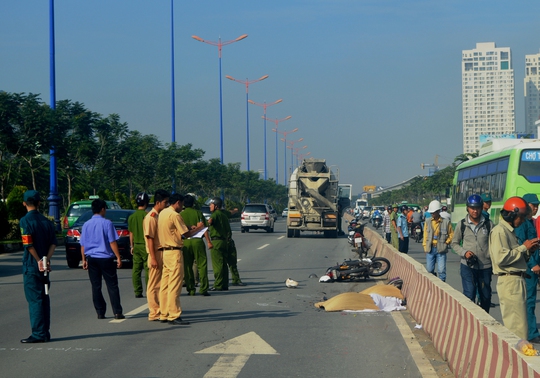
<point>505,168</point>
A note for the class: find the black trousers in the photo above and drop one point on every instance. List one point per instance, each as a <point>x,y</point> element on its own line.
<point>99,269</point>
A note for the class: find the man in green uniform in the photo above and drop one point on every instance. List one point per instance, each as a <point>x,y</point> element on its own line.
<point>509,260</point>
<point>194,249</point>
<point>393,226</point>
<point>220,229</point>
<point>137,243</point>
<point>39,241</point>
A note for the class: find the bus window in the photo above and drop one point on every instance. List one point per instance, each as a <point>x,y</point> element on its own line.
<point>502,185</point>
<point>482,170</point>
<point>474,172</point>
<point>494,185</point>
<point>502,165</point>
<point>492,168</point>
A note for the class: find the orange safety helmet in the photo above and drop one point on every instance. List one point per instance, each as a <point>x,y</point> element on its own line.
<point>516,205</point>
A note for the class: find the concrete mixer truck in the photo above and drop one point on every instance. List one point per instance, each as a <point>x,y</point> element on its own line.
<point>313,200</point>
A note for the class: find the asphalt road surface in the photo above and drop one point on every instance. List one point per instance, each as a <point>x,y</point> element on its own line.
<point>261,330</point>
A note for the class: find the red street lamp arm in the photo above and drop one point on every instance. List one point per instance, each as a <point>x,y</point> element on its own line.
<point>219,43</point>
<point>264,104</point>
<point>247,82</point>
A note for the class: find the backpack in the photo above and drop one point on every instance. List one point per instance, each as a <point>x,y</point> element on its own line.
<point>487,223</point>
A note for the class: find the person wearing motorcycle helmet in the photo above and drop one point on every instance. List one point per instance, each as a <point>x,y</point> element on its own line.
<point>403,230</point>
<point>486,197</point>
<point>438,235</point>
<point>137,244</point>
<point>509,259</point>
<point>386,224</point>
<point>471,242</point>
<point>527,230</point>
<point>445,214</point>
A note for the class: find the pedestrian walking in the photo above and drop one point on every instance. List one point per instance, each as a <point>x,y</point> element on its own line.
<point>98,250</point>
<point>403,230</point>
<point>39,242</point>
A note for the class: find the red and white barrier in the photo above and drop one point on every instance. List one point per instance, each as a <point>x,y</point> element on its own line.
<point>472,342</point>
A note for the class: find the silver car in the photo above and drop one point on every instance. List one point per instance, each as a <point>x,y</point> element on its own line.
<point>257,216</point>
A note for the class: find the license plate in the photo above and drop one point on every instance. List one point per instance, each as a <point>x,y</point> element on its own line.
<point>358,240</point>
<point>246,217</point>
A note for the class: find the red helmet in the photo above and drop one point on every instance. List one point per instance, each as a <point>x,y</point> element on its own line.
<point>515,205</point>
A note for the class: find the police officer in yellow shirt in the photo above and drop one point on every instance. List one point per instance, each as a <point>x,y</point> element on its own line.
<point>171,230</point>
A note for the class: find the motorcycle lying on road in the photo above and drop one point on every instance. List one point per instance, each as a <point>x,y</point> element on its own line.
<point>355,270</point>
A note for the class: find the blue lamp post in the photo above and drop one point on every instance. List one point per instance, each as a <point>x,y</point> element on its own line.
<point>264,106</point>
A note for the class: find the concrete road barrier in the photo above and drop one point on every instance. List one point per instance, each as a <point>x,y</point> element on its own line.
<point>472,342</point>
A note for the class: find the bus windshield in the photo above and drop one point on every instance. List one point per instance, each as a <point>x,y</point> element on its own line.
<point>529,165</point>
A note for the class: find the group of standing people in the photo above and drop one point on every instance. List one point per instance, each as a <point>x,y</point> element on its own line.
<point>165,243</point>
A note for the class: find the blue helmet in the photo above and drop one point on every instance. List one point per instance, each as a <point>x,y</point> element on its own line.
<point>475,201</point>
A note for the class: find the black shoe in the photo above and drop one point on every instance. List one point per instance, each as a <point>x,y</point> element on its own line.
<point>119,316</point>
<point>100,316</point>
<point>32,340</point>
<point>138,296</point>
<point>206,294</point>
<point>178,321</point>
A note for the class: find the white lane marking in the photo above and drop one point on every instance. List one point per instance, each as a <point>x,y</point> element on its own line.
<point>235,353</point>
<point>281,237</point>
<point>131,313</point>
<point>263,246</point>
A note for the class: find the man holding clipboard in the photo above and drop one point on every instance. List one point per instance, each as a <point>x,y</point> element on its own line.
<point>194,248</point>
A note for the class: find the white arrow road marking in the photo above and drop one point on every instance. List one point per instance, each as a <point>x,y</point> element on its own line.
<point>263,246</point>
<point>281,237</point>
<point>235,353</point>
<point>131,313</point>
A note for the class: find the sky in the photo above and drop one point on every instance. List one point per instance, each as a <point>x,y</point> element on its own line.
<point>373,86</point>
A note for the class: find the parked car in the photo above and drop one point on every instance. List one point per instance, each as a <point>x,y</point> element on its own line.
<point>256,216</point>
<point>120,222</point>
<point>285,212</point>
<point>78,208</point>
<point>273,212</point>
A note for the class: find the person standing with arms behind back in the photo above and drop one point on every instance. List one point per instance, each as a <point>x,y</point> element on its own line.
<point>137,243</point>
<point>509,260</point>
<point>39,241</point>
<point>98,250</point>
<point>155,255</point>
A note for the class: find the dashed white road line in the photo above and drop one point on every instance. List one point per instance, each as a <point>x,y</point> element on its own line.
<point>131,313</point>
<point>263,246</point>
<point>281,237</point>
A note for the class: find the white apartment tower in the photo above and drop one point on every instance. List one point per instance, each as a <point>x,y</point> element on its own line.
<point>488,94</point>
<point>532,93</point>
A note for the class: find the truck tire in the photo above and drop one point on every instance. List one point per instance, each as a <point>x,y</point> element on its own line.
<point>289,233</point>
<point>296,233</point>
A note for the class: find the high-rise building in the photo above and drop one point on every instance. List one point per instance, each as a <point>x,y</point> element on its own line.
<point>487,93</point>
<point>532,93</point>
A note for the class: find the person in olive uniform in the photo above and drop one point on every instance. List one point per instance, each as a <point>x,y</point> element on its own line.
<point>137,244</point>
<point>220,230</point>
<point>39,240</point>
<point>194,249</point>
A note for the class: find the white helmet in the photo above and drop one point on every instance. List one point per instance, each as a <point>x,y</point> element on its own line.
<point>325,278</point>
<point>434,206</point>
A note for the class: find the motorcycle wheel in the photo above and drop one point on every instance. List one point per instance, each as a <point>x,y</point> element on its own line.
<point>379,267</point>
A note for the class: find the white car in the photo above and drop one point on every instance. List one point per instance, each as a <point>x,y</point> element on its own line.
<point>256,216</point>
<point>285,212</point>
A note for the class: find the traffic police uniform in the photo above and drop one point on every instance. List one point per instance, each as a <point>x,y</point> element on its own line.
<point>171,227</point>
<point>509,260</point>
<point>220,230</point>
<point>140,256</point>
<point>37,232</point>
<point>150,227</point>
<point>194,250</point>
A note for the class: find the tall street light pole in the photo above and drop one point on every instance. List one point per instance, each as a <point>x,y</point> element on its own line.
<point>284,139</point>
<point>276,121</point>
<point>264,106</point>
<point>247,83</point>
<point>219,45</point>
<point>301,157</point>
<point>291,144</point>
<point>54,199</point>
<point>295,151</point>
<point>173,101</point>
